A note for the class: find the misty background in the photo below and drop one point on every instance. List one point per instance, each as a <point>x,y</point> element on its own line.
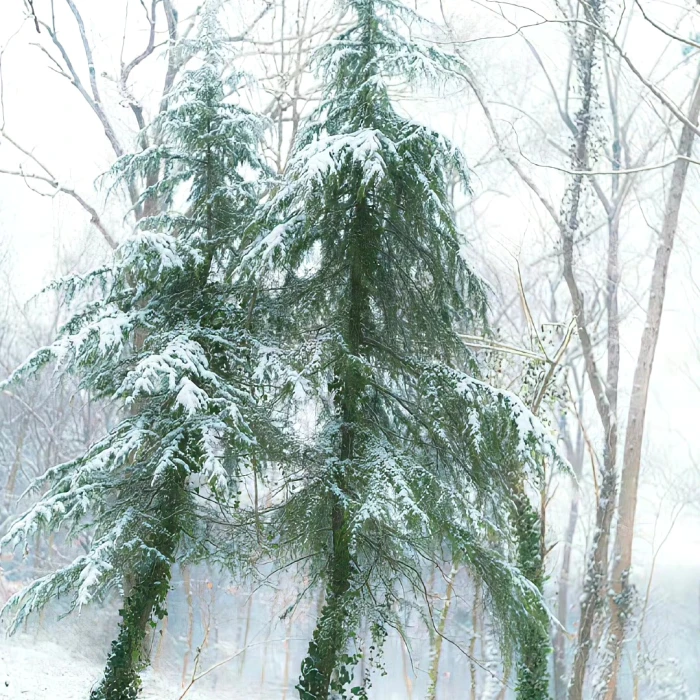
<point>53,150</point>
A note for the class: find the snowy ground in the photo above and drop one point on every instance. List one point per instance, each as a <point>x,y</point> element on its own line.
<point>34,669</point>
<point>56,659</point>
<point>31,669</point>
<point>247,651</point>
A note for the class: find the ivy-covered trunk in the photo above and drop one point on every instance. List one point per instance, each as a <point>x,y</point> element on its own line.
<point>126,659</point>
<point>144,602</point>
<point>533,672</point>
<point>322,671</point>
<point>327,645</point>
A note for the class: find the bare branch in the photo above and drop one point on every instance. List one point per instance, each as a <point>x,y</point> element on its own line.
<point>614,172</point>
<point>77,82</point>
<point>471,81</point>
<point>49,179</point>
<point>664,30</point>
<point>172,68</point>
<point>96,99</point>
<point>243,35</point>
<point>126,69</point>
<point>34,17</point>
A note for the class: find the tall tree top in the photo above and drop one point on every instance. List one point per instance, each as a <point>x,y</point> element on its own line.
<point>358,162</point>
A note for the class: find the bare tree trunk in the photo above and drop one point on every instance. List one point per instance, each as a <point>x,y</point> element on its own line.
<point>287,654</point>
<point>406,675</point>
<point>244,646</point>
<point>442,624</point>
<point>634,435</point>
<point>14,469</point>
<point>575,456</point>
<point>506,678</point>
<point>476,615</point>
<point>187,584</point>
<point>563,603</point>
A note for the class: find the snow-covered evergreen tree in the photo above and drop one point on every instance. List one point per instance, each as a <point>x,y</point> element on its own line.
<point>414,457</point>
<point>171,339</point>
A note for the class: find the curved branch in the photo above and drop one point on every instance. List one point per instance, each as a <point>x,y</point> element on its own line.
<point>663,30</point>
<point>172,69</point>
<point>126,69</point>
<point>614,172</point>
<point>58,187</point>
<point>34,17</point>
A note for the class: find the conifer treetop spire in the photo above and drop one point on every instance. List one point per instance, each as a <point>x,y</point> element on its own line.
<point>382,45</point>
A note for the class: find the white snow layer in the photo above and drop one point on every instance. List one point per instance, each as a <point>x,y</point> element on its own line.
<point>35,669</point>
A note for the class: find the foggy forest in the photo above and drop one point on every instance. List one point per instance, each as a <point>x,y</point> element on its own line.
<point>348,349</point>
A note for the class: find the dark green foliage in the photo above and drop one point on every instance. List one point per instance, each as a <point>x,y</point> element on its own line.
<point>354,271</point>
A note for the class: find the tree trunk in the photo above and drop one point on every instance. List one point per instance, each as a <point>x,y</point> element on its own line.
<point>442,625</point>
<point>16,464</point>
<point>596,570</point>
<point>145,600</point>
<point>629,484</point>
<point>126,659</point>
<point>594,583</point>
<point>329,638</point>
<point>406,672</point>
<point>287,654</point>
<point>187,585</point>
<point>575,456</point>
<point>476,615</point>
<point>322,662</point>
